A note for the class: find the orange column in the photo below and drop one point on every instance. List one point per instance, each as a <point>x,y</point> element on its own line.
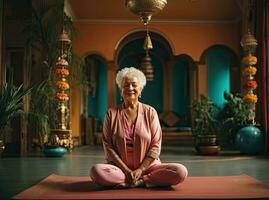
<point>202,79</point>
<point>167,85</point>
<point>111,84</point>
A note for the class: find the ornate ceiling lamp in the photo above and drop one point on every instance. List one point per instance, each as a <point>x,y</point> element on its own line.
<point>145,9</point>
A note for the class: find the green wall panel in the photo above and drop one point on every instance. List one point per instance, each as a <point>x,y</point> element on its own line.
<point>97,105</point>
<point>180,86</point>
<point>219,62</point>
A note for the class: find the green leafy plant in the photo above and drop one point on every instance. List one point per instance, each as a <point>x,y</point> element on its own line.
<point>39,117</point>
<point>44,30</point>
<point>11,102</point>
<point>235,114</point>
<point>47,24</point>
<point>204,117</point>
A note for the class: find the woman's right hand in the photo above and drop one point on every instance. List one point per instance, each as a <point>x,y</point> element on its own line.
<point>136,174</point>
<point>128,174</point>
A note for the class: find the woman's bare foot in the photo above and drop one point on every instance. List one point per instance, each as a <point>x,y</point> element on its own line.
<point>122,186</point>
<point>139,183</point>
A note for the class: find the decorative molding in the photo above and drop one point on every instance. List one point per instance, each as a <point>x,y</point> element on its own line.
<point>132,21</point>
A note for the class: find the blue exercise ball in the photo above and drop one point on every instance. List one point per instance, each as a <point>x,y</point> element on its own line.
<point>250,140</point>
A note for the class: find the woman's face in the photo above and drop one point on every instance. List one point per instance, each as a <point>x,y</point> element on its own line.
<point>130,89</point>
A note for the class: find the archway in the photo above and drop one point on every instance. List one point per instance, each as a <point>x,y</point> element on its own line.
<point>96,69</point>
<point>183,81</point>
<point>130,52</point>
<point>223,72</point>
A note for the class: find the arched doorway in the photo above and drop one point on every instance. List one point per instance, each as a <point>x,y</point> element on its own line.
<point>223,72</point>
<point>130,53</point>
<point>94,97</point>
<point>96,69</point>
<point>163,93</point>
<point>183,92</point>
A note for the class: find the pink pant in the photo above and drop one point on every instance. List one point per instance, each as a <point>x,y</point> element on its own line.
<point>165,174</point>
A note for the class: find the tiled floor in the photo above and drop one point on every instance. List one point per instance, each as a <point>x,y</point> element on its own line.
<point>17,174</point>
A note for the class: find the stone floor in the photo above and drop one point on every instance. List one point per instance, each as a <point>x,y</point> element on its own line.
<point>17,174</point>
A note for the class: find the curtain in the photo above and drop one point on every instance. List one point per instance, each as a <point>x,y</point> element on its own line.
<point>262,34</point>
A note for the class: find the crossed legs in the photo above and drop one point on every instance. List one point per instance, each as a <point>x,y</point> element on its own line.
<point>165,174</point>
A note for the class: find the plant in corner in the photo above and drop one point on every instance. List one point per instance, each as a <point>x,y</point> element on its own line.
<point>238,125</point>
<point>205,125</point>
<point>11,103</point>
<point>44,30</point>
<point>234,115</point>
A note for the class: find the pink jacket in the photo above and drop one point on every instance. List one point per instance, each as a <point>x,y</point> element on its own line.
<point>147,135</point>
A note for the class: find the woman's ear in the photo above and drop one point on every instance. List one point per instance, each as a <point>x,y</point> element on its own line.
<point>121,92</point>
<point>140,93</point>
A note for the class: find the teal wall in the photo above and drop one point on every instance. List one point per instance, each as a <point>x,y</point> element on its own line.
<point>180,87</point>
<point>97,105</point>
<point>219,62</point>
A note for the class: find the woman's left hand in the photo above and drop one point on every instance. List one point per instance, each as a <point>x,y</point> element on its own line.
<point>136,174</point>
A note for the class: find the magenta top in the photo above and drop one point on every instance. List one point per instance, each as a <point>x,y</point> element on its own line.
<point>128,128</point>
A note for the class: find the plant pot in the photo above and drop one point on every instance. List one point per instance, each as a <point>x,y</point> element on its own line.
<point>208,150</point>
<point>206,140</point>
<point>54,151</point>
<point>207,145</point>
<point>250,140</point>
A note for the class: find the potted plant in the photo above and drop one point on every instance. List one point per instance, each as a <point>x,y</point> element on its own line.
<point>11,102</point>
<point>234,115</point>
<point>205,126</point>
<point>243,133</point>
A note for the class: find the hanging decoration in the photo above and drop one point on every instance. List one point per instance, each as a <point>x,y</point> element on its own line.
<point>146,65</point>
<point>249,44</point>
<point>145,9</point>
<point>61,135</point>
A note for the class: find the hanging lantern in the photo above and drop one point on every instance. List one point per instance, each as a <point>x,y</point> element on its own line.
<point>64,43</point>
<point>147,42</point>
<point>249,43</point>
<point>146,66</point>
<point>145,8</point>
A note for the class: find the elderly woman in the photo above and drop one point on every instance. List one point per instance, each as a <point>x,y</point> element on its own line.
<point>132,141</point>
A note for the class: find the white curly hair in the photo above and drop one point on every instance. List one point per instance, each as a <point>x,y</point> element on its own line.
<point>129,72</point>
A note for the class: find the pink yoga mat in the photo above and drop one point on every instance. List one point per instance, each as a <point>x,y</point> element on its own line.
<point>200,187</point>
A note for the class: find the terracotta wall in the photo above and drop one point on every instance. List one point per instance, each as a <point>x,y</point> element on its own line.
<point>192,39</point>
<point>75,112</point>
